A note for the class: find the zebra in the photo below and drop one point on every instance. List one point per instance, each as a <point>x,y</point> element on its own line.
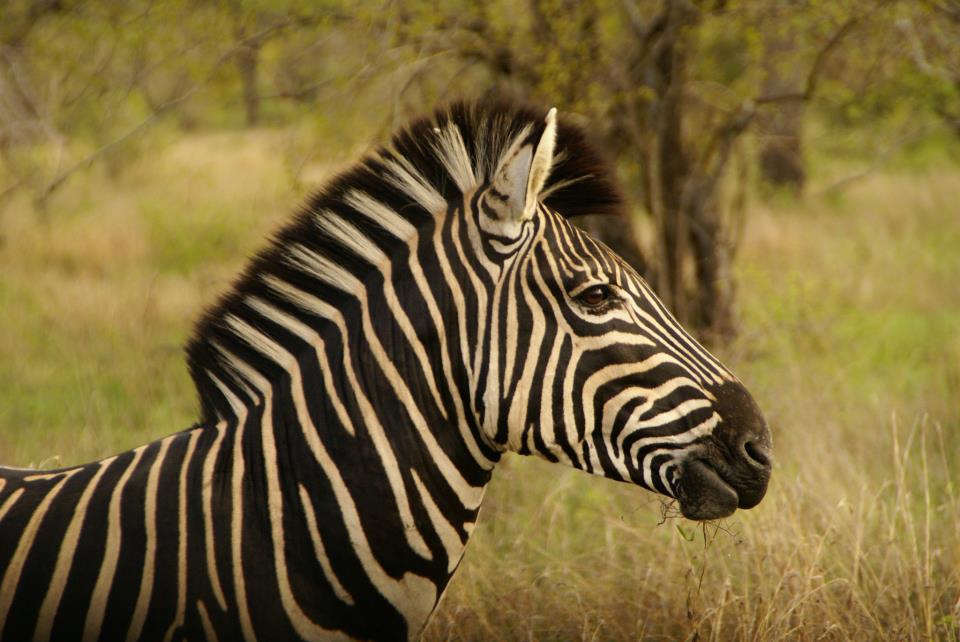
<point>427,311</point>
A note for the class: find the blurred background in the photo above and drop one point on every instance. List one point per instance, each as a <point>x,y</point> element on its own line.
<point>793,175</point>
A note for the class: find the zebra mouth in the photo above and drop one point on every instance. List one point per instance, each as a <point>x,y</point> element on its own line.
<point>703,494</point>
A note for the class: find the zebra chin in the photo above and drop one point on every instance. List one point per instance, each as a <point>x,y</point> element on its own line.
<point>705,494</point>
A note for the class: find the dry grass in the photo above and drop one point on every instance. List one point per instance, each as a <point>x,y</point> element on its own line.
<point>851,343</point>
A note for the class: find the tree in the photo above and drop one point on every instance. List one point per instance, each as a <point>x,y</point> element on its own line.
<point>781,129</point>
<point>674,90</point>
<point>671,87</point>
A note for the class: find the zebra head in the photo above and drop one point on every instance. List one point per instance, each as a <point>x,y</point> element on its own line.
<point>586,366</point>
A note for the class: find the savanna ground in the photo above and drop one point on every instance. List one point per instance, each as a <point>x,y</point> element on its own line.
<point>850,341</point>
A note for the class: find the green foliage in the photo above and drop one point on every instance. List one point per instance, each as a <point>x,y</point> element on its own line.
<point>91,73</point>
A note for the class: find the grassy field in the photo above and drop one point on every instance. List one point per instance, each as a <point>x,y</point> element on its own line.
<point>850,310</point>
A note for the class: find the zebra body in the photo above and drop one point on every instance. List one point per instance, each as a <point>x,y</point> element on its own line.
<point>429,310</point>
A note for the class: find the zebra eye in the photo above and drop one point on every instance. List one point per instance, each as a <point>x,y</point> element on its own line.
<point>595,296</point>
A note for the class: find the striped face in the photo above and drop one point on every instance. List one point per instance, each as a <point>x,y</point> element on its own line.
<point>596,373</point>
<point>587,367</point>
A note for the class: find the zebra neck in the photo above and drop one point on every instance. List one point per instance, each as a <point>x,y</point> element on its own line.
<point>405,512</point>
<point>342,394</point>
<point>339,454</point>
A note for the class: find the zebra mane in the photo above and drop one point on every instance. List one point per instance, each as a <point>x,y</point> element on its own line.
<point>430,163</point>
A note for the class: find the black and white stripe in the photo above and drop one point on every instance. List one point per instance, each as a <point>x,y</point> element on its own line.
<point>424,313</point>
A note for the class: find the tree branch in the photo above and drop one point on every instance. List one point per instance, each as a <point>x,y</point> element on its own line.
<point>881,159</point>
<point>157,114</point>
<point>813,77</point>
<point>720,145</point>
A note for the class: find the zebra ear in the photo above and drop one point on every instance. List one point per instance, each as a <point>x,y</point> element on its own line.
<point>522,175</point>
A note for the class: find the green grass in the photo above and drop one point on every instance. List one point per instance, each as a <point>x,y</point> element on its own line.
<point>850,308</point>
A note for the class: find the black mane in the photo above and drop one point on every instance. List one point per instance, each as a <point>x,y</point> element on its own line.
<point>579,183</point>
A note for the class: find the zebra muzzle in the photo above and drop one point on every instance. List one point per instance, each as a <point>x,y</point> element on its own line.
<point>732,468</point>
<point>703,494</point>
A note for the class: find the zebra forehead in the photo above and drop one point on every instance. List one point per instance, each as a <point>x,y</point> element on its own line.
<point>581,253</point>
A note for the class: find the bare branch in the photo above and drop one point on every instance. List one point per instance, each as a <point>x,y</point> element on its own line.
<point>720,146</point>
<point>157,114</point>
<point>10,190</point>
<point>813,77</point>
<point>718,150</point>
<point>949,8</point>
<point>882,158</point>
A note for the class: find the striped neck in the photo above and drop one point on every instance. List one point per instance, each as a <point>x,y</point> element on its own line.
<point>349,387</point>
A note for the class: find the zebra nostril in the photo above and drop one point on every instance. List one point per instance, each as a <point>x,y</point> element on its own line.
<point>757,453</point>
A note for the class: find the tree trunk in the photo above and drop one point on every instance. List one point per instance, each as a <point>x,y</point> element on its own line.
<point>781,154</point>
<point>781,159</point>
<point>713,259</point>
<point>695,276</point>
<point>672,163</point>
<point>248,60</point>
